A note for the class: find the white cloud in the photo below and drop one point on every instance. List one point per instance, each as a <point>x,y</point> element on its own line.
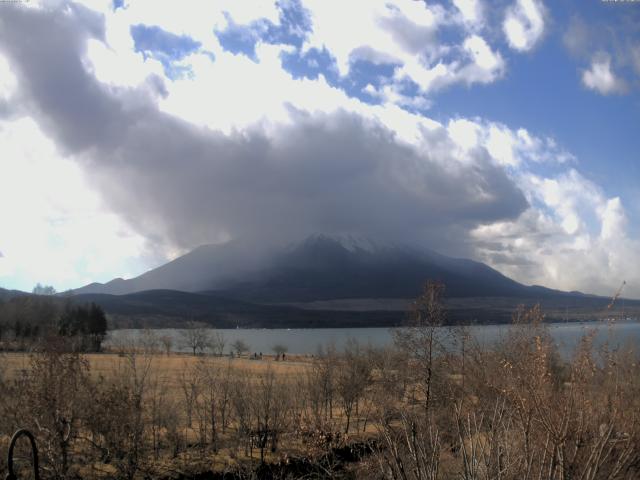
<point>465,133</point>
<point>54,228</point>
<point>486,65</point>
<point>573,238</point>
<point>613,218</point>
<point>501,145</point>
<point>524,24</point>
<point>507,147</point>
<point>472,12</point>
<point>407,33</point>
<point>601,78</point>
<point>374,30</point>
<point>565,196</point>
<point>121,66</point>
<point>477,63</point>
<point>210,97</point>
<point>115,62</point>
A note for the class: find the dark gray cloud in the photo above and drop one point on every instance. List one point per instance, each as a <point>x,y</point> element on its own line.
<point>180,184</point>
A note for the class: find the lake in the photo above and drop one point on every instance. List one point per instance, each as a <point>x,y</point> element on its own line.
<point>307,341</point>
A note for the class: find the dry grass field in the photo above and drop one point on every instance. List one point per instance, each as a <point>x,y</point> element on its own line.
<point>168,370</point>
<point>166,366</point>
<point>171,379</point>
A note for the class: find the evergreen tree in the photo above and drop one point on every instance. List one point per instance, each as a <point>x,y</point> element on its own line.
<point>96,326</point>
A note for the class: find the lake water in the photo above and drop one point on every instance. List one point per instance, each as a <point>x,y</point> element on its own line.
<point>307,341</point>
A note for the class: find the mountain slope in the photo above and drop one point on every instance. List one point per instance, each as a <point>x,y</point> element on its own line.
<point>207,267</point>
<point>321,267</point>
<point>323,281</point>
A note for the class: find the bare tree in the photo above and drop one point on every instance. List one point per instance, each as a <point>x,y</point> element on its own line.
<point>323,378</point>
<point>189,383</point>
<point>243,413</point>
<point>196,338</point>
<point>117,416</point>
<point>240,346</point>
<point>211,399</point>
<point>167,343</point>
<point>148,341</point>
<point>279,349</point>
<point>217,343</point>
<point>420,338</point>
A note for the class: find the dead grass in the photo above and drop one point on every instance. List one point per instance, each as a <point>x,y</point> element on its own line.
<point>107,363</point>
<point>165,368</point>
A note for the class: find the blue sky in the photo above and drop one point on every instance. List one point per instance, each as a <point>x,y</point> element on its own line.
<point>529,107</point>
<point>166,47</point>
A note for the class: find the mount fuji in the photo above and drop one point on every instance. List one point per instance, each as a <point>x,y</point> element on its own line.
<point>319,268</point>
<point>321,281</point>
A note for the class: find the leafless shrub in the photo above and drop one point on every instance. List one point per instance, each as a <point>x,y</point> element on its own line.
<point>216,344</point>
<point>271,405</point>
<point>167,344</point>
<point>410,448</point>
<point>148,342</point>
<point>116,419</point>
<point>352,379</point>
<point>54,397</point>
<point>210,386</point>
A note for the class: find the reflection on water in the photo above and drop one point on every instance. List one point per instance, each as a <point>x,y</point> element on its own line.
<point>307,341</point>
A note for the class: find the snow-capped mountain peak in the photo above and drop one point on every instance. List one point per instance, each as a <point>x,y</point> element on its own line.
<point>350,242</point>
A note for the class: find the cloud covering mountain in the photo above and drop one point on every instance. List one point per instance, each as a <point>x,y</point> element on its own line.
<point>337,171</point>
<point>208,133</point>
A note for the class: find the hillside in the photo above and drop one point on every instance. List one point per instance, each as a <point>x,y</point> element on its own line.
<point>324,281</point>
<point>320,267</point>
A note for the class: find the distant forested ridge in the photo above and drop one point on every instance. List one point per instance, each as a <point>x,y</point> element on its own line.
<point>26,320</point>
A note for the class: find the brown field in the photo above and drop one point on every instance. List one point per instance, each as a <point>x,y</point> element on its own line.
<point>167,366</point>
<point>166,369</point>
<point>167,372</point>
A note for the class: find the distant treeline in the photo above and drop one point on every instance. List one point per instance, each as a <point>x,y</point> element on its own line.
<point>26,320</point>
